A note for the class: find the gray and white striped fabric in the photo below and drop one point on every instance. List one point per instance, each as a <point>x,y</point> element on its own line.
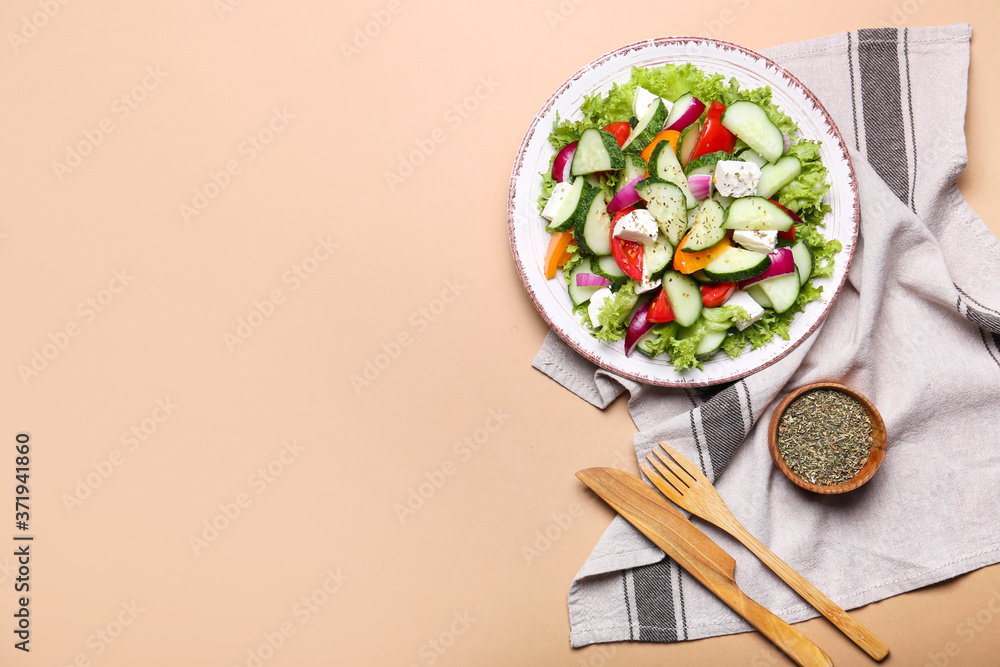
<point>916,328</point>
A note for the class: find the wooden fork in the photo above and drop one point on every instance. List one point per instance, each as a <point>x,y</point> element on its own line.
<point>684,484</point>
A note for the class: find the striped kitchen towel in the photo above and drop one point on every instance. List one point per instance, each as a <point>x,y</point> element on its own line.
<point>916,328</point>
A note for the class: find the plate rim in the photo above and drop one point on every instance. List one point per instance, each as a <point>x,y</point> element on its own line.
<point>852,188</point>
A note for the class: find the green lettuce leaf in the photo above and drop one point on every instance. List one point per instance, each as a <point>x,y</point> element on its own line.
<point>571,263</point>
<point>804,195</point>
<point>669,82</point>
<point>548,185</point>
<point>612,318</point>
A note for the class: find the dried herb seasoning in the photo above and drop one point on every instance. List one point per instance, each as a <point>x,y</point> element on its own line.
<point>825,436</point>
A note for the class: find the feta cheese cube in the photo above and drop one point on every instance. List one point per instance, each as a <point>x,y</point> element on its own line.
<point>644,99</point>
<point>736,178</point>
<point>761,241</point>
<point>555,202</point>
<point>597,300</point>
<point>639,226</point>
<point>646,283</point>
<point>745,301</point>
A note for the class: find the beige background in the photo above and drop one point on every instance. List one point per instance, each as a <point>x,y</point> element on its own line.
<point>422,274</point>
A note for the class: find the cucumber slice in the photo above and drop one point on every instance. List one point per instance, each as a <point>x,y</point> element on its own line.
<point>687,142</point>
<point>709,343</point>
<point>597,150</point>
<point>775,176</point>
<point>750,123</point>
<point>757,213</point>
<point>563,219</point>
<point>658,257</point>
<point>736,264</point>
<point>705,164</point>
<point>577,293</point>
<point>684,296</point>
<point>649,126</point>
<point>724,200</point>
<point>635,167</point>
<point>757,294</point>
<point>707,228</point>
<point>802,254</point>
<point>667,204</point>
<point>663,164</point>
<point>641,344</point>
<point>592,224</point>
<point>606,267</point>
<point>700,276</point>
<point>750,155</point>
<point>782,291</point>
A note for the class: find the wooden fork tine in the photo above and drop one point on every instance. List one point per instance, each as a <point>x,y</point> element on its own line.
<point>666,474</point>
<point>682,461</point>
<point>659,482</point>
<point>679,472</point>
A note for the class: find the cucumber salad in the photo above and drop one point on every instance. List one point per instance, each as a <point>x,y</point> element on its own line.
<point>686,215</point>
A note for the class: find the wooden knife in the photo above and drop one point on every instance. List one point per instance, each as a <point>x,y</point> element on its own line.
<point>693,550</point>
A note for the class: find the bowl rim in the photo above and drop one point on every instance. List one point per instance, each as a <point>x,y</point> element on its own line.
<point>875,457</point>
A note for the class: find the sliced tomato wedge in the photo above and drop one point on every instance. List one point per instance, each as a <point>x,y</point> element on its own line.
<point>790,234</point>
<point>628,254</point>
<point>714,295</point>
<point>660,310</point>
<point>714,135</point>
<point>621,132</point>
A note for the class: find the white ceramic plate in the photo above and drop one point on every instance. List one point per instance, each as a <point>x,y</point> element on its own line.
<point>529,240</point>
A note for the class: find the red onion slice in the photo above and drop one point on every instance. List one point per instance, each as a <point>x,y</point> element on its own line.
<point>701,186</point>
<point>788,143</point>
<point>687,109</point>
<point>637,328</point>
<point>625,197</point>
<point>563,163</point>
<point>782,263</point>
<point>591,280</point>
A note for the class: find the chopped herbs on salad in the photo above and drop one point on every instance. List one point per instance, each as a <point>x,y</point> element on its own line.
<point>685,215</point>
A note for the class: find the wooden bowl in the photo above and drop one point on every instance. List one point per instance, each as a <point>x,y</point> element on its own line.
<point>874,458</point>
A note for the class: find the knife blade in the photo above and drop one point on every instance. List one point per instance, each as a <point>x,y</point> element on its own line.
<point>694,551</point>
